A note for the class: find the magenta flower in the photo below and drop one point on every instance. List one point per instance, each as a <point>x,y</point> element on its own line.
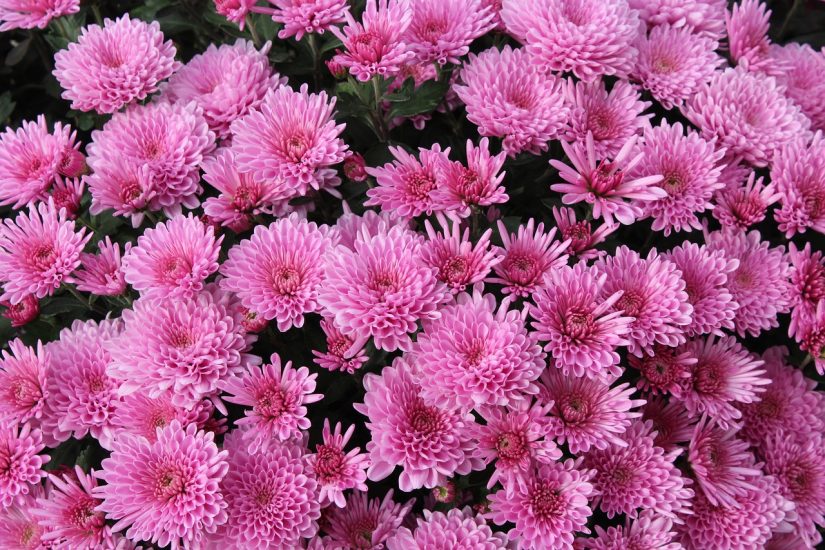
<point>123,187</point>
<point>648,531</point>
<point>454,529</point>
<point>442,30</point>
<point>745,205</point>
<point>365,523</point>
<point>336,470</point>
<point>343,353</point>
<point>140,415</point>
<point>67,193</point>
<point>30,14</point>
<point>802,66</point>
<point>235,11</point>
<point>300,17</point>
<point>21,313</point>
<point>24,376</point>
<point>670,421</point>
<point>807,285</point>
<point>476,184</point>
<point>581,235</point>
<point>102,273</point>
<point>663,370</point>
<point>19,526</point>
<point>460,263</point>
<point>797,172</point>
<point>747,24</point>
<point>703,17</point>
<point>20,463</point>
<point>811,337</point>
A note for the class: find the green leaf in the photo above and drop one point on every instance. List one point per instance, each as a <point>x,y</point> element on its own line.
<point>331,44</point>
<point>423,100</point>
<point>60,305</point>
<point>56,41</point>
<point>18,52</point>
<point>6,106</point>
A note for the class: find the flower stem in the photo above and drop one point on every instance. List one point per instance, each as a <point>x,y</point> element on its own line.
<point>378,115</point>
<point>256,39</point>
<point>316,58</point>
<point>78,296</point>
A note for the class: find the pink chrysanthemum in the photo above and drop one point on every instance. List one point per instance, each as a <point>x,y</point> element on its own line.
<point>646,532</point>
<point>653,293</point>
<point>460,262</point>
<point>30,14</point>
<point>589,38</point>
<point>748,113</point>
<point>706,273</point>
<point>141,415</point>
<point>374,46</point>
<point>276,397</point>
<point>527,258</point>
<point>442,30</point>
<point>278,273</point>
<point>430,444</point>
<point>745,205</point>
<point>664,370</point>
<point>300,17</point>
<point>24,376</point>
<point>476,354</point>
<point>235,10</point>
<point>292,139</point>
<point>19,528</point>
<point>21,313</point>
<point>382,288</point>
<point>165,492</point>
<point>476,184</point>
<point>508,97</point>
<point>148,157</point>
<point>807,285</point>
<point>747,24</point>
<point>336,470</point>
<point>67,193</point>
<point>612,118</point>
<point>343,353</point>
<point>111,66</point>
<point>186,345</point>
<point>583,238</point>
<point>407,186</point>
<point>352,227</point>
<point>638,475</point>
<point>670,420</point>
<point>548,508</point>
<point>174,258</point>
<point>811,336</point>
<point>364,523</point>
<point>20,465</point>
<point>32,159</point>
<point>606,185</point>
<point>703,17</point>
<point>798,172</point>
<point>102,273</point>
<point>802,77</point>
<point>454,529</point>
<point>760,284</point>
<point>587,413</point>
<point>227,82</point>
<point>39,250</point>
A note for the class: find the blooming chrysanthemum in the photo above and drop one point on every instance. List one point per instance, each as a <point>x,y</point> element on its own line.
<point>703,17</point>
<point>653,293</point>
<point>102,273</point>
<point>583,238</point>
<point>430,444</point>
<point>67,193</point>
<point>527,258</point>
<point>455,529</point>
<point>351,227</point>
<point>760,284</point>
<point>807,285</point>
<point>186,345</point>
<point>476,353</point>
<point>811,336</point>
<point>663,370</point>
<point>111,66</point>
<point>235,10</point>
<point>164,492</point>
<point>745,205</point>
<point>39,250</point>
<point>646,532</point>
<point>300,17</point>
<point>798,171</point>
<point>748,113</point>
<point>638,474</point>
<point>374,46</point>
<point>24,376</point>
<point>20,465</point>
<point>382,288</point>
<point>508,97</point>
<point>141,415</point>
<point>19,528</point>
<point>32,159</point>
<point>279,271</point>
<point>460,262</point>
<point>706,273</point>
<point>276,397</point>
<point>21,313</point>
<point>335,469</point>
<point>343,352</point>
<point>364,523</point>
<point>670,420</point>
<point>548,508</point>
<point>442,30</point>
<point>589,38</point>
<point>476,184</point>
<point>747,25</point>
<point>587,413</point>
<point>28,14</point>
<point>802,69</point>
<point>148,157</point>
<point>407,186</point>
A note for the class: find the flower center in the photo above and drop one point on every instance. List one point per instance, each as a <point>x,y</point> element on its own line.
<point>674,183</point>
<point>83,516</point>
<point>546,502</point>
<point>169,483</point>
<point>664,65</point>
<point>578,323</point>
<point>329,462</point>
<point>600,123</point>
<point>800,480</point>
<point>814,343</point>
<point>454,270</point>
<point>173,268</point>
<point>43,256</point>
<point>475,353</point>
<point>470,185</point>
<point>296,148</point>
<point>286,280</point>
<point>424,420</point>
<point>419,185</point>
<point>130,191</point>
<point>25,392</point>
<point>707,378</point>
<point>603,180</point>
<point>433,29</point>
<point>180,338</point>
<point>271,403</point>
<point>573,408</point>
<point>631,303</point>
<point>511,446</point>
<point>521,98</point>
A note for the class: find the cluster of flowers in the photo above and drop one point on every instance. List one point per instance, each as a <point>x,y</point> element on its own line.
<point>604,396</point>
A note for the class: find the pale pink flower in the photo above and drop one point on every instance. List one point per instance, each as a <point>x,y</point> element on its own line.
<point>802,70</point>
<point>442,30</point>
<point>20,463</point>
<point>703,17</point>
<point>364,523</point>
<point>300,17</point>
<point>798,171</point>
<point>30,14</point>
<point>102,273</point>
<point>460,262</point>
<point>476,184</point>
<point>649,531</point>
<point>335,469</point>
<point>24,389</point>
<point>583,239</point>
<point>745,205</point>
<point>343,352</point>
<point>453,529</point>
<point>19,528</point>
<point>663,370</point>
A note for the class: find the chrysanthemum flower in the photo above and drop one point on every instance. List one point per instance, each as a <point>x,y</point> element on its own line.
<point>801,76</point>
<point>748,113</point>
<point>365,523</point>
<point>141,415</point>
<point>670,420</point>
<point>19,526</point>
<point>798,171</point>
<point>343,352</point>
<point>583,238</point>
<point>587,413</point>
<point>407,186</point>
<point>458,528</point>
<point>548,508</point>
<point>460,262</point>
<point>111,66</point>
<point>476,354</point>
<point>39,250</point>
<point>589,38</point>
<point>279,271</point>
<point>663,370</point>
<point>382,288</point>
<point>442,30</point>
<point>124,187</point>
<point>67,193</point>
<point>351,227</point>
<point>811,336</point>
<point>638,475</point>
<point>335,469</point>
<point>807,285</point>
<point>24,376</point>
<point>527,258</point>
<point>102,273</point>
<point>430,444</point>
<point>30,14</point>
<point>703,17</point>
<point>277,397</point>
<point>746,205</point>
<point>235,10</point>
<point>508,97</point>
<point>646,532</point>
<point>164,492</point>
<point>747,25</point>
<point>374,46</point>
<point>21,313</point>
<point>760,284</point>
<point>476,184</point>
<point>20,463</point>
<point>300,17</point>
<point>706,274</point>
<point>32,159</point>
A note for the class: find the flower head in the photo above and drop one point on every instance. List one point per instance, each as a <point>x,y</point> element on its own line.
<point>20,463</point>
<point>460,262</point>
<point>646,532</point>
<point>802,66</point>
<point>702,17</point>
<point>365,523</point>
<point>798,173</point>
<point>442,30</point>
<point>141,415</point>
<point>235,10</point>
<point>807,285</point>
<point>102,273</point>
<point>29,14</point>
<point>335,469</point>
<point>21,313</point>
<point>343,352</point>
<point>583,239</point>
<point>24,373</point>
<point>476,184</point>
<point>747,25</point>
<point>745,205</point>
<point>300,17</point>
<point>458,528</point>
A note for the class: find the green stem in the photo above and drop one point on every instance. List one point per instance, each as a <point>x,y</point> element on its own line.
<point>98,16</point>
<point>152,218</point>
<point>78,296</point>
<point>65,31</point>
<point>256,39</point>
<point>380,124</point>
<point>316,58</point>
<point>807,361</point>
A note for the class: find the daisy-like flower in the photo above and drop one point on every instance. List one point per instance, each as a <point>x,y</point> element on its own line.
<point>702,17</point>
<point>365,523</point>
<point>548,508</point>
<point>454,529</point>
<point>166,491</point>
<point>111,66</point>
<point>24,376</point>
<point>351,227</point>
<point>760,284</point>
<point>19,526</point>
<point>174,258</point>
<point>32,159</point>
<point>747,24</point>
<point>638,474</point>
<point>292,139</point>
<point>374,46</point>
<point>227,82</point>
<point>67,193</point>
<point>811,336</point>
<point>587,413</point>
<point>124,187</point>
<point>300,17</point>
<point>459,261</point>
<point>527,258</point>
<point>429,443</point>
<point>476,184</point>
<point>382,288</point>
<point>30,14</point>
<point>646,532</point>
<point>39,250</point>
<point>653,293</point>
<point>581,235</point>
<point>21,313</point>
<point>801,76</point>
<point>663,370</point>
<point>278,396</point>
<point>797,172</point>
<point>279,271</point>
<point>807,285</point>
<point>343,353</point>
<point>670,420</point>
<point>140,415</point>
<point>611,117</point>
<point>745,205</point>
<point>748,113</point>
<point>335,469</point>
<point>476,354</point>
<point>407,186</point>
<point>507,96</point>
<point>442,30</point>
<point>20,463</point>
<point>589,38</point>
<point>102,273</point>
<point>606,185</point>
